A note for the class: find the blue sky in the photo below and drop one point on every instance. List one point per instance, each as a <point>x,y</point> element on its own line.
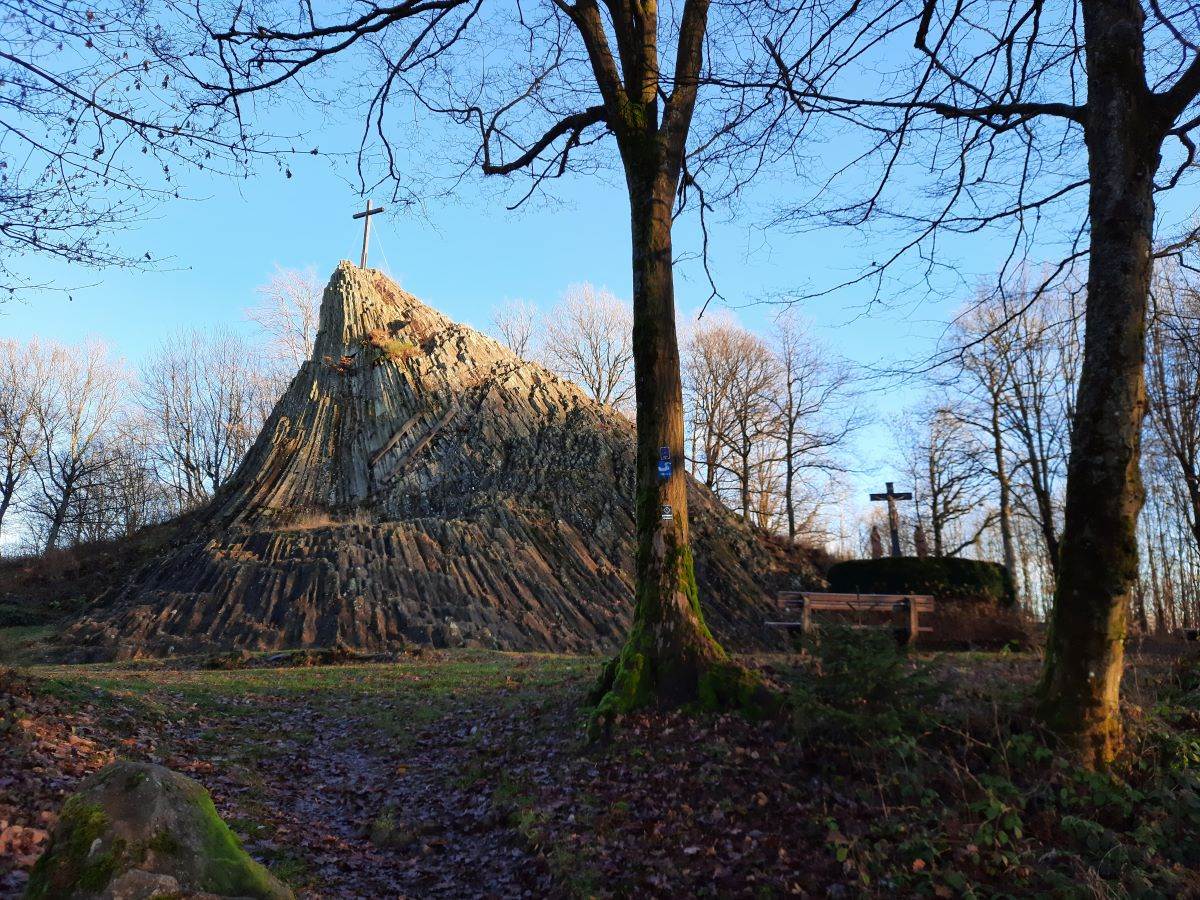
<point>465,256</point>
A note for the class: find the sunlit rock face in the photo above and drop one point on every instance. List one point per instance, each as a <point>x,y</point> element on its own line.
<point>418,482</point>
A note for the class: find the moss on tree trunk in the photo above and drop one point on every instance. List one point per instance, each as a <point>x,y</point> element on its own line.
<point>670,657</point>
<point>1098,561</point>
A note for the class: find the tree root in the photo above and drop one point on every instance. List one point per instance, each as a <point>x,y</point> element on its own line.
<point>706,679</point>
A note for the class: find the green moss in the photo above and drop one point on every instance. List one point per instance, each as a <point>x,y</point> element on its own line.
<point>729,686</point>
<point>687,581</point>
<point>84,858</point>
<point>387,346</point>
<point>642,676</point>
<point>397,350</point>
<point>164,842</point>
<point>228,869</point>
<point>69,865</point>
<point>624,685</point>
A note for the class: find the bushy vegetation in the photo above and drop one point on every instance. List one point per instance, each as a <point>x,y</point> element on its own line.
<point>387,346</point>
<point>946,578</point>
<point>45,588</point>
<point>968,797</point>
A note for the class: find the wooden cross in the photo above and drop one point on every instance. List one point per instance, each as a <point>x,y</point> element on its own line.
<point>365,215</point>
<point>891,496</point>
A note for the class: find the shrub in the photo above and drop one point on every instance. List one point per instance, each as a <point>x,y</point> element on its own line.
<point>389,347</point>
<point>862,687</point>
<point>945,578</point>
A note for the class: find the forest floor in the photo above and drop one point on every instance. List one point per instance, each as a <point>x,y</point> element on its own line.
<point>467,774</point>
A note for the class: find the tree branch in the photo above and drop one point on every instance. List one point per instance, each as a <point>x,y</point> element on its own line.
<point>573,125</point>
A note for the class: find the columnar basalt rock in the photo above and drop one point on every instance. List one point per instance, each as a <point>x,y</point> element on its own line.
<point>419,482</point>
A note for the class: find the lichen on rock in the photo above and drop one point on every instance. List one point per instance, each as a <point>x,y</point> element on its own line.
<point>136,831</point>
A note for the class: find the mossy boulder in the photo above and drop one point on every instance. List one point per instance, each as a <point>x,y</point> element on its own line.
<point>946,579</point>
<point>136,831</point>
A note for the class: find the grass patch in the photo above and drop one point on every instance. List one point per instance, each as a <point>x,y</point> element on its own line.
<point>395,698</point>
<point>24,644</point>
<point>890,773</point>
<point>387,346</point>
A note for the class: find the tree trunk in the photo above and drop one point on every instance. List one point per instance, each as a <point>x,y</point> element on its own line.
<point>744,478</point>
<point>670,657</point>
<point>789,486</point>
<point>6,495</point>
<point>1141,615</point>
<point>1098,557</point>
<point>1193,517</point>
<point>1160,616</point>
<point>936,522</point>
<point>57,520</point>
<point>1168,584</point>
<point>1027,579</point>
<point>1006,535</point>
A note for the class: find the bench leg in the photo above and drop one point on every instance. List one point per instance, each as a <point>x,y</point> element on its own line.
<point>913,624</point>
<point>805,620</point>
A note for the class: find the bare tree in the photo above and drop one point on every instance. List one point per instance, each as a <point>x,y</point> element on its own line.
<point>101,104</point>
<point>749,420</point>
<point>1017,111</point>
<point>288,312</point>
<point>707,374</point>
<point>814,418</point>
<point>515,325</point>
<point>1170,551</point>
<point>1173,371</point>
<point>199,393</point>
<point>123,493</point>
<point>943,460</point>
<point>766,419</point>
<point>982,336</point>
<point>22,389</point>
<point>589,340</point>
<point>1039,406</point>
<point>765,489</point>
<point>74,422</point>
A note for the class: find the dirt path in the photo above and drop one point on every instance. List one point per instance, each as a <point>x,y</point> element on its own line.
<point>373,783</point>
<point>377,821</point>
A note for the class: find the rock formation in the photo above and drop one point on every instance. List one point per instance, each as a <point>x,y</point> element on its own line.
<point>419,482</point>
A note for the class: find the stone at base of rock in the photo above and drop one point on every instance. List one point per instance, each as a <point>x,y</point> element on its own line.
<point>135,831</point>
<point>137,884</point>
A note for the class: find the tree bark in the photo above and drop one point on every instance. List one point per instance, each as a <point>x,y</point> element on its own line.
<point>57,520</point>
<point>1006,534</point>
<point>790,480</point>
<point>744,476</point>
<point>936,520</point>
<point>1160,616</point>
<point>6,495</point>
<point>670,656</point>
<point>1098,562</point>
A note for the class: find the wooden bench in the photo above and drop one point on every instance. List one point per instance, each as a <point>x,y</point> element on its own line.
<point>910,606</point>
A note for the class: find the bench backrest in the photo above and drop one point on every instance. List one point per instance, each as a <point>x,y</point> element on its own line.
<point>855,602</point>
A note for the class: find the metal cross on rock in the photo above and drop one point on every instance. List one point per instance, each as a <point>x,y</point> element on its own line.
<point>891,496</point>
<point>365,215</point>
